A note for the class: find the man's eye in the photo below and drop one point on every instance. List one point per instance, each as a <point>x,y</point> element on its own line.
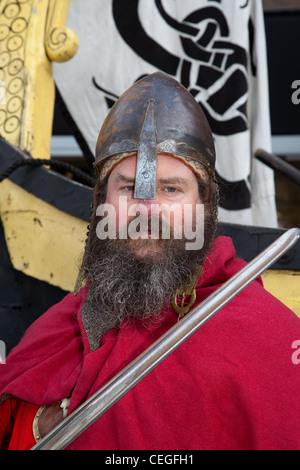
<point>171,189</point>
<point>128,188</point>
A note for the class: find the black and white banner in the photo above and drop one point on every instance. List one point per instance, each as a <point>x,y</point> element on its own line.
<point>215,48</point>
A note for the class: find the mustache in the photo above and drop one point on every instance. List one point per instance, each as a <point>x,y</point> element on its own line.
<point>145,227</point>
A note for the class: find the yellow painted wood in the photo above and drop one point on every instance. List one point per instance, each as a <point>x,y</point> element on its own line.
<point>39,90</point>
<point>43,242</point>
<point>61,42</point>
<point>32,34</point>
<point>285,286</point>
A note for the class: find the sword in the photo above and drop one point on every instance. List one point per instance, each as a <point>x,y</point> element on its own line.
<point>92,409</point>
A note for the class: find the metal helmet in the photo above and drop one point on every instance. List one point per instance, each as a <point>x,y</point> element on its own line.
<point>155,115</point>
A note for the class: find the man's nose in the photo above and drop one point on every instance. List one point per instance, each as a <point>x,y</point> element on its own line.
<point>150,206</point>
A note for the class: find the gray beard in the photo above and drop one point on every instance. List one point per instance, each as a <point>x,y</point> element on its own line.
<point>124,286</point>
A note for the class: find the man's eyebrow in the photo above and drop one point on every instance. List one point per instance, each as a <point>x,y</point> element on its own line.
<point>174,180</point>
<point>125,179</point>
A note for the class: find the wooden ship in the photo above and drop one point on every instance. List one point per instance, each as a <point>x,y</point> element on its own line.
<point>45,206</point>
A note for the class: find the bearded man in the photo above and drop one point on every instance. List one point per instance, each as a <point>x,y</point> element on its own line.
<point>151,255</point>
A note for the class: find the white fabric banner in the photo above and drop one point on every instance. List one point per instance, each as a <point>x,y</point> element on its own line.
<point>215,48</point>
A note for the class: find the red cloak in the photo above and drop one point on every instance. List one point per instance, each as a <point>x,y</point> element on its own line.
<point>232,385</point>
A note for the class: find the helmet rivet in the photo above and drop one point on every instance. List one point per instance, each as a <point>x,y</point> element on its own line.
<point>145,175</point>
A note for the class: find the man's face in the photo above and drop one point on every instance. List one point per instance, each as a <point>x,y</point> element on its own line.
<point>176,190</point>
<point>135,277</point>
